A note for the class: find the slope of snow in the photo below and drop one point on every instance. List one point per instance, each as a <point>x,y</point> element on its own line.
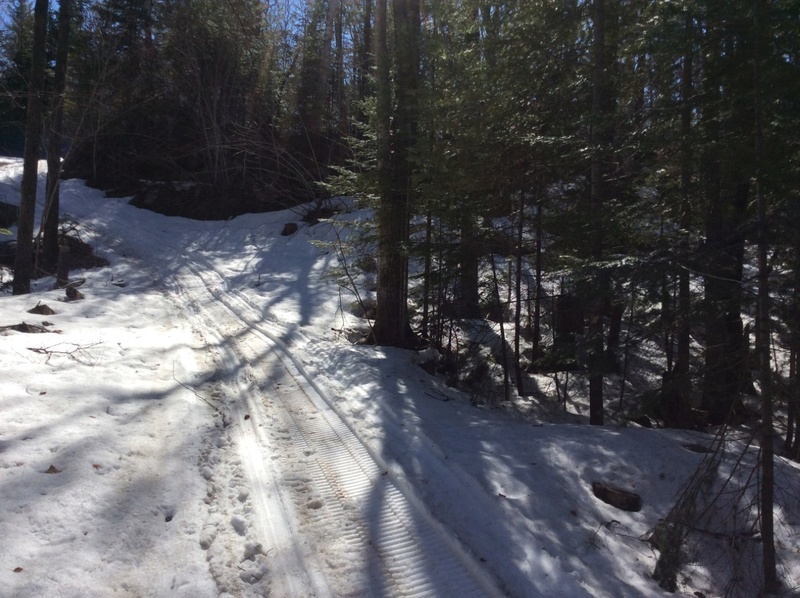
<point>171,408</point>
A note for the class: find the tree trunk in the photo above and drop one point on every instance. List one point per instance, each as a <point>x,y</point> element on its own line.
<point>387,304</point>
<point>601,133</point>
<point>366,57</point>
<point>767,501</point>
<point>667,319</point>
<point>324,75</point>
<point>503,351</point>
<point>725,357</point>
<point>792,443</point>
<point>426,274</point>
<point>467,300</point>
<point>50,247</point>
<point>518,290</point>
<point>537,305</point>
<point>726,193</point>
<point>394,169</point>
<point>681,378</point>
<point>343,129</point>
<point>23,264</point>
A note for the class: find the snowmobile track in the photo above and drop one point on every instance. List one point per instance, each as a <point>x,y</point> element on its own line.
<point>408,551</point>
<point>414,557</point>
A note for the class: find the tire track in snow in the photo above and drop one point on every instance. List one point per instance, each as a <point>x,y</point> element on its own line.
<point>293,569</point>
<point>375,524</point>
<point>404,550</point>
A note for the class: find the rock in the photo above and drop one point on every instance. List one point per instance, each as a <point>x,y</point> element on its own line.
<point>428,359</point>
<point>42,309</point>
<point>9,214</point>
<point>617,497</point>
<point>289,228</point>
<point>74,294</point>
<point>642,420</point>
<point>366,308</point>
<point>26,328</point>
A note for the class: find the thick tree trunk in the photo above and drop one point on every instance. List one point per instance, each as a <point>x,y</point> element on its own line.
<point>467,300</point>
<point>727,175</point>
<point>23,264</point>
<point>394,165</point>
<point>723,251</point>
<point>725,356</point>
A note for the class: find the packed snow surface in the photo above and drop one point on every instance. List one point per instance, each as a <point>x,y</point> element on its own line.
<point>199,425</point>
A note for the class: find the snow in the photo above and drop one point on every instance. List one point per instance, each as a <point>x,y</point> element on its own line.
<point>159,439</point>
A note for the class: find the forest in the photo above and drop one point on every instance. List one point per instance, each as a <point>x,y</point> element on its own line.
<point>604,191</point>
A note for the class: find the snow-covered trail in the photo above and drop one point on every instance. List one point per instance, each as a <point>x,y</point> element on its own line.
<point>100,411</point>
<point>333,522</point>
<point>319,515</point>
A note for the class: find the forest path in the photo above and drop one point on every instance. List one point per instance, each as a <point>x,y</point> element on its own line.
<point>328,519</point>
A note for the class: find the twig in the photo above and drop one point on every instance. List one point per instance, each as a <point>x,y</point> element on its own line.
<point>193,391</point>
<point>50,351</point>
<point>342,257</point>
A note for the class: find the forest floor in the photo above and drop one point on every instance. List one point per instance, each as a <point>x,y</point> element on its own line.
<point>198,425</point>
